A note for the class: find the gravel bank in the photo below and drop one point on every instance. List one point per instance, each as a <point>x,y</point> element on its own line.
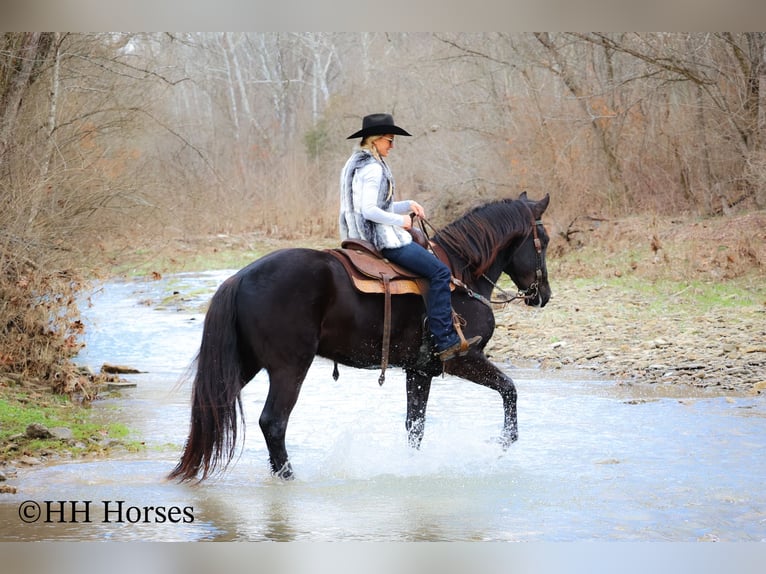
<point>632,335</point>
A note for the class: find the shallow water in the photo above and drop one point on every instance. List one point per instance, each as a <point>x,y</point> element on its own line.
<point>595,460</point>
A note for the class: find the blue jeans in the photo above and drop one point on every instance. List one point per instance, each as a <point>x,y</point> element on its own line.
<point>438,300</point>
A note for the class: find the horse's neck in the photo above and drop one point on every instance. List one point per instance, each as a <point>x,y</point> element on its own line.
<point>485,283</point>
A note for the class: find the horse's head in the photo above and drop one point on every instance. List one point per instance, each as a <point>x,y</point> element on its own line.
<point>505,236</point>
<point>527,264</point>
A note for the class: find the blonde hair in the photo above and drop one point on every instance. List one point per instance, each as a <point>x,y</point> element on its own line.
<point>367,142</point>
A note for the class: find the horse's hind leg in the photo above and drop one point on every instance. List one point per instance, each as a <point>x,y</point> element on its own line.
<point>284,386</point>
<point>418,388</point>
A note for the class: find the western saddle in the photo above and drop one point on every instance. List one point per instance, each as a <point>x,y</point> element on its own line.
<point>370,272</point>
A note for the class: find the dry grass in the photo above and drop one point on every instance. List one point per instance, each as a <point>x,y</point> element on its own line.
<point>662,248</point>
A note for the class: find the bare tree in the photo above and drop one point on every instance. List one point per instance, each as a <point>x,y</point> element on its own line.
<point>724,74</point>
<point>24,57</point>
<point>70,175</point>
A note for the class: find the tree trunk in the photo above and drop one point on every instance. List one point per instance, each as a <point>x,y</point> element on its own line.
<point>761,79</point>
<point>53,107</point>
<point>24,53</point>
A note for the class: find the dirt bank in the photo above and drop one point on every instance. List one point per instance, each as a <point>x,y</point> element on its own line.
<point>627,335</point>
<point>652,300</point>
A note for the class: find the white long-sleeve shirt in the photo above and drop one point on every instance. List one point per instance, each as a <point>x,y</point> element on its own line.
<point>366,184</point>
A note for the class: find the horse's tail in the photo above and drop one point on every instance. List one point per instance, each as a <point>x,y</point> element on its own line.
<point>216,390</point>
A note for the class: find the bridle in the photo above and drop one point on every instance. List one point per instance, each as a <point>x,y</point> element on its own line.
<point>527,294</point>
<point>533,290</point>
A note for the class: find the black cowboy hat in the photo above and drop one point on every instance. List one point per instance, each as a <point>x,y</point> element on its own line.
<point>377,125</point>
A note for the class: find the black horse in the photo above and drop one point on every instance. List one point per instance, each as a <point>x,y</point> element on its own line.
<point>282,310</point>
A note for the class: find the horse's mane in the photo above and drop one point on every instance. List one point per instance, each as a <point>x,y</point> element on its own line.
<point>479,235</point>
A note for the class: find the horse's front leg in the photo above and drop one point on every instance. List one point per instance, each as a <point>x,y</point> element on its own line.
<point>477,368</point>
<point>418,388</point>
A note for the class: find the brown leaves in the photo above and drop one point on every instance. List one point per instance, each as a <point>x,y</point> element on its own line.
<point>39,320</point>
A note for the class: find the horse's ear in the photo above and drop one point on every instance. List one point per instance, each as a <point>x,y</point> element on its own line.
<point>523,196</point>
<point>540,206</point>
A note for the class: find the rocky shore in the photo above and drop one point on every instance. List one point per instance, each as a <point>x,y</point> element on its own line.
<point>633,335</point>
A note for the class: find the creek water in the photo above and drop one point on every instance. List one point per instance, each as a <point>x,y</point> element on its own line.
<point>595,460</point>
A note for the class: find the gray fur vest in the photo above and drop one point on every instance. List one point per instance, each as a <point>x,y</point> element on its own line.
<point>353,225</point>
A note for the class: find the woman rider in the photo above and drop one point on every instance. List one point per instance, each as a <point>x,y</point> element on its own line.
<point>368,211</point>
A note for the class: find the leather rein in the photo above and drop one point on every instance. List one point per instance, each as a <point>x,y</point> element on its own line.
<point>522,294</point>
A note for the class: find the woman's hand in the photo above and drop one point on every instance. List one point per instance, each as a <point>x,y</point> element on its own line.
<point>417,209</point>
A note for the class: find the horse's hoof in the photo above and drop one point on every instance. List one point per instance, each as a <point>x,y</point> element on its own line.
<point>414,442</point>
<point>285,473</point>
<point>507,440</point>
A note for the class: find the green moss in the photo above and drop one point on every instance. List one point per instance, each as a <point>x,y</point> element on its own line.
<point>20,408</point>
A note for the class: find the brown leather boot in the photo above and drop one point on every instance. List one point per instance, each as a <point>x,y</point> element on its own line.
<point>459,349</point>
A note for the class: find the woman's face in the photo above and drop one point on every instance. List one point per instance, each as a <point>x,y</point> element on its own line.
<point>384,144</point>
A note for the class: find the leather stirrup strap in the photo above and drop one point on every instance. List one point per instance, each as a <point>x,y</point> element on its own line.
<point>457,322</point>
<point>386,328</point>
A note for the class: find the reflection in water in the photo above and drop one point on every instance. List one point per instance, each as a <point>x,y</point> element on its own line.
<point>595,460</point>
